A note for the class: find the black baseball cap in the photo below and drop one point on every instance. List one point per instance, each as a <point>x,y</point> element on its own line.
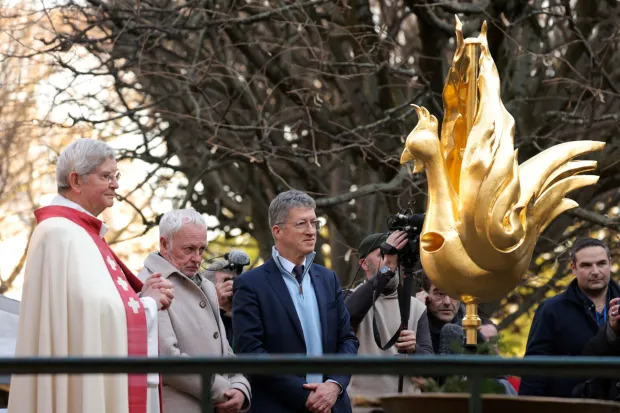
<point>371,243</point>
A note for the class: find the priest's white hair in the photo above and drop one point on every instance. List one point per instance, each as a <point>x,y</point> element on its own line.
<point>82,156</point>
<point>172,221</point>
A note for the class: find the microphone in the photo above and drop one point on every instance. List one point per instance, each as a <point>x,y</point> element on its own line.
<point>451,339</point>
<point>237,260</point>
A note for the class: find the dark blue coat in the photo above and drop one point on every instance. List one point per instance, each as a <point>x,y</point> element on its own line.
<point>562,325</point>
<point>265,322</point>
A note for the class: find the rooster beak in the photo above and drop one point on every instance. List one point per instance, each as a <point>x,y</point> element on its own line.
<point>406,157</point>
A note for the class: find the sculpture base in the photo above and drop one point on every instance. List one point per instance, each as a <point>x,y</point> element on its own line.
<point>493,403</point>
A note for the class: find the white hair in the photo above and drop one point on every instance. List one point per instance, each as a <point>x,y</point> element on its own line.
<point>82,156</point>
<point>172,222</point>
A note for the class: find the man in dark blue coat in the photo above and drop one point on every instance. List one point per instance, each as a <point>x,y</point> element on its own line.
<point>291,305</point>
<point>563,324</point>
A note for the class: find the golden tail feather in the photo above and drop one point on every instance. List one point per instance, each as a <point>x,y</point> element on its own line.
<point>546,206</point>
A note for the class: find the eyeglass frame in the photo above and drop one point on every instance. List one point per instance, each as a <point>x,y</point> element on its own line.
<point>299,226</point>
<point>440,296</point>
<point>108,176</point>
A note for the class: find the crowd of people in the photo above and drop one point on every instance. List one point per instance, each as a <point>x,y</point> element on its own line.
<point>79,299</point>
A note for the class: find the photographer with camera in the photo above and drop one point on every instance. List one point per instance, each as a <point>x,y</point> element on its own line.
<point>379,259</point>
<point>222,273</point>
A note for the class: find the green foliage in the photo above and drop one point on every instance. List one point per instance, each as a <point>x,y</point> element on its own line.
<point>222,244</point>
<point>460,384</point>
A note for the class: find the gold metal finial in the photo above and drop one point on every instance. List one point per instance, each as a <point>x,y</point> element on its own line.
<point>485,212</point>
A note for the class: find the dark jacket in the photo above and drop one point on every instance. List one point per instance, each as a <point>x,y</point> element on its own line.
<point>562,326</point>
<point>265,321</point>
<point>602,344</point>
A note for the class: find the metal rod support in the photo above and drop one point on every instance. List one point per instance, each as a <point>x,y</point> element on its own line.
<point>206,396</point>
<point>483,366</point>
<point>475,396</point>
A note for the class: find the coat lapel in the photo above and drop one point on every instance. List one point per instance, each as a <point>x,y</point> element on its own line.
<point>276,281</point>
<point>321,301</point>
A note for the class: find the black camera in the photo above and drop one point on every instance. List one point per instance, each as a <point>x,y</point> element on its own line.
<point>411,224</point>
<point>407,222</point>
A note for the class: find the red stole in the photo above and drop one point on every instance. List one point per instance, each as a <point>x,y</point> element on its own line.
<point>127,285</point>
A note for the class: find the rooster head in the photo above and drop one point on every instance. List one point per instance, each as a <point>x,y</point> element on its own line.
<point>422,143</point>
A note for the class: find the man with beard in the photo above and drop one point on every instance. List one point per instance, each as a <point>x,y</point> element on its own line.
<point>563,324</point>
<point>381,277</point>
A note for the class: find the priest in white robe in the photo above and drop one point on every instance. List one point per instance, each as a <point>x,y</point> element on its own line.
<point>80,300</point>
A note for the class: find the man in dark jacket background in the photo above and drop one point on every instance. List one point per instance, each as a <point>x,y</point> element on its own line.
<point>563,324</point>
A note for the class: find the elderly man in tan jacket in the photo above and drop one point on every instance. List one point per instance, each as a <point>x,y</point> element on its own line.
<point>192,325</point>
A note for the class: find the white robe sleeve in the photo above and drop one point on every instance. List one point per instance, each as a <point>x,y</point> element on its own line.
<point>152,379</point>
<point>150,309</point>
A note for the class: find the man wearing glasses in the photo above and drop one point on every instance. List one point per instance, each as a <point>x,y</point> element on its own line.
<point>80,300</point>
<point>192,326</point>
<point>291,305</point>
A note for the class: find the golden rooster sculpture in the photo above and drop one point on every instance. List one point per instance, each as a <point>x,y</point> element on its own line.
<point>485,212</point>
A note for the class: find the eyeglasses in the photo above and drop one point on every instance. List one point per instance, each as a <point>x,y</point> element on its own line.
<point>439,296</point>
<point>301,225</point>
<point>110,176</point>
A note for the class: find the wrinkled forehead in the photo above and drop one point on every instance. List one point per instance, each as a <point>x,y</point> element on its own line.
<point>191,234</point>
<point>434,289</point>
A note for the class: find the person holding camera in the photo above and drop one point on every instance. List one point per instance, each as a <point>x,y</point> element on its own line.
<point>222,274</point>
<point>381,289</point>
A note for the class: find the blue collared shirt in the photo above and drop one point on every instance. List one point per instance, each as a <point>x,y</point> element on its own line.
<point>600,318</point>
<point>306,305</point>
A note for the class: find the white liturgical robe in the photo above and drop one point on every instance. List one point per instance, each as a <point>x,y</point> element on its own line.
<point>80,300</point>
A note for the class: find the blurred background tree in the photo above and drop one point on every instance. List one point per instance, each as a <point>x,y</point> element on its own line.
<point>223,104</point>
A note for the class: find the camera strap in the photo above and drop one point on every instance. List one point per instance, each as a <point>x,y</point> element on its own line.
<point>404,305</point>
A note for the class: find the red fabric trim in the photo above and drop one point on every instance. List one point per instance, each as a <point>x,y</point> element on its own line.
<point>123,279</point>
<point>89,223</point>
<point>514,382</point>
<point>134,281</point>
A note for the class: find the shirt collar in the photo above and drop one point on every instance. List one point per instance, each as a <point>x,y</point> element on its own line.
<point>60,200</point>
<point>288,265</point>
